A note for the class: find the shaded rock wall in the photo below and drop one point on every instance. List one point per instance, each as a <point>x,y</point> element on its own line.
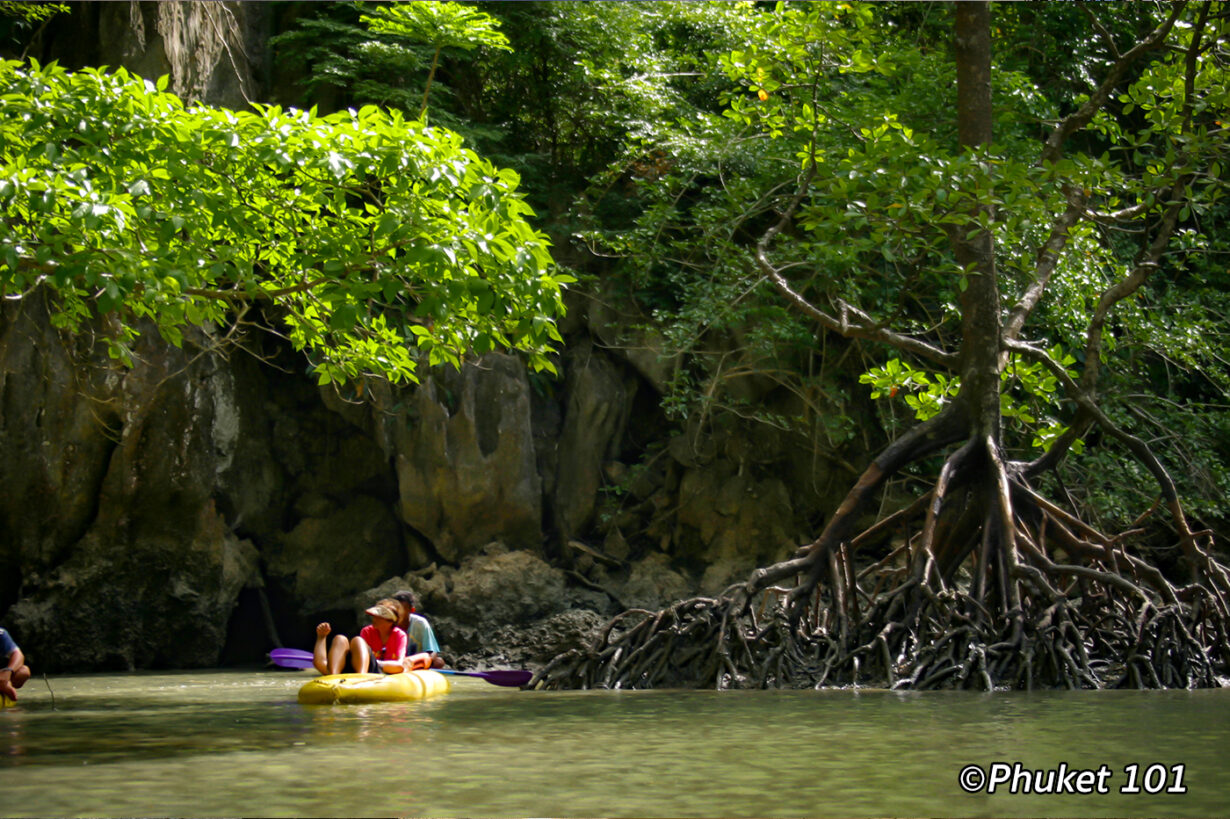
<point>213,52</point>
<point>466,464</point>
<point>599,402</point>
<point>144,503</point>
<point>111,530</point>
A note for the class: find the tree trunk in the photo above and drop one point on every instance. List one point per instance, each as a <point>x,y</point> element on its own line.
<point>974,246</point>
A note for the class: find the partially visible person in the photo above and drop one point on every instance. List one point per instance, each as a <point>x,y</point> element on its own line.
<point>15,672</point>
<point>422,651</point>
<point>380,646</point>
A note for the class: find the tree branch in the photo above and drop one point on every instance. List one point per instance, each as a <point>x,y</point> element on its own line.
<point>1048,260</point>
<point>1122,289</point>
<point>1081,117</point>
<point>852,321</point>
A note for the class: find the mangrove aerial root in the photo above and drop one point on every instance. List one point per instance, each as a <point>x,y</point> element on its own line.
<point>1022,595</point>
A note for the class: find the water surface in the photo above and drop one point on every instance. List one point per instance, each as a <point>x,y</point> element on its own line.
<point>226,743</point>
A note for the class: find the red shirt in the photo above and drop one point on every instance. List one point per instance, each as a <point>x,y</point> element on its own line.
<point>394,650</point>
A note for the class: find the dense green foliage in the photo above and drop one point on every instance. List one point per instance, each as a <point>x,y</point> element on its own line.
<point>858,97</point>
<point>384,53</point>
<point>577,81</point>
<point>666,138</point>
<point>374,242</point>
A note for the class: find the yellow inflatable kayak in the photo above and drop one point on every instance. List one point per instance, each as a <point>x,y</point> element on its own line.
<point>353,688</point>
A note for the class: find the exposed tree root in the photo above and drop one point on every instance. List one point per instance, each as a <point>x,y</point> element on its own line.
<point>992,586</point>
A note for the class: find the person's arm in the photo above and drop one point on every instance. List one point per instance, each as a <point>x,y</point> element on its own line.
<point>428,642</point>
<point>419,661</point>
<point>425,638</point>
<point>397,646</point>
<point>9,681</point>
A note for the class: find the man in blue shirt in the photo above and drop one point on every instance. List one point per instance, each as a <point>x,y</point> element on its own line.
<point>422,651</point>
<point>14,672</point>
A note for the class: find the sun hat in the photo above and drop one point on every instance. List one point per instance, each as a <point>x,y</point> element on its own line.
<point>381,609</point>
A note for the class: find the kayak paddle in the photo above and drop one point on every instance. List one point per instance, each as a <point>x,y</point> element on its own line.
<point>291,658</point>
<point>511,679</point>
<point>297,658</point>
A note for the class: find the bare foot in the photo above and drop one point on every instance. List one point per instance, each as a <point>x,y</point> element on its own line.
<point>319,659</point>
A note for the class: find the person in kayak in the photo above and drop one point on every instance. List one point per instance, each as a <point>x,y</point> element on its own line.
<point>379,648</point>
<point>15,672</point>
<point>422,651</point>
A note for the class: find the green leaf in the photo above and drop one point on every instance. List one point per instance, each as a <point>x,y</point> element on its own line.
<point>344,317</point>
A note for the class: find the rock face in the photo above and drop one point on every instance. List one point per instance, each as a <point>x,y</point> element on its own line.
<point>652,583</point>
<point>598,404</point>
<point>503,587</point>
<point>326,558</point>
<point>212,52</point>
<point>55,444</point>
<point>497,608</point>
<point>143,570</point>
<point>466,464</point>
<point>732,522</point>
<point>140,503</point>
<point>148,602</point>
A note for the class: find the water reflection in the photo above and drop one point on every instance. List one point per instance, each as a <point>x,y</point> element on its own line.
<point>226,743</point>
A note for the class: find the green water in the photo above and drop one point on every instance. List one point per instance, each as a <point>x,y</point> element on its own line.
<point>226,743</point>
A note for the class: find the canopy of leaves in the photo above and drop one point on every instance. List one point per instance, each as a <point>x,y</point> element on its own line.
<point>387,54</point>
<point>440,25</point>
<point>375,243</point>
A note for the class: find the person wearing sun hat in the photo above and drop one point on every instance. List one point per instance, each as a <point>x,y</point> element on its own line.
<point>380,646</point>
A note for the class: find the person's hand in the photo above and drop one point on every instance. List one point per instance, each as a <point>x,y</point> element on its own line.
<point>6,685</point>
<point>323,630</point>
<point>417,661</point>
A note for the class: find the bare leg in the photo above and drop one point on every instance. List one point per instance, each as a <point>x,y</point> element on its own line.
<point>337,653</point>
<point>360,655</point>
<point>20,676</point>
<point>319,662</point>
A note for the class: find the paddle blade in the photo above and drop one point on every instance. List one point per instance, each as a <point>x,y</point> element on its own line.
<point>509,679</point>
<point>291,658</point>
